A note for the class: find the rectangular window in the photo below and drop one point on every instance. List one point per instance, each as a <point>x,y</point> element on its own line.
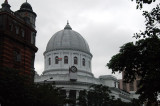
<point>131,86</point>
<point>22,32</point>
<point>17,56</point>
<point>11,27</point>
<point>124,86</point>
<point>17,30</point>
<point>33,36</point>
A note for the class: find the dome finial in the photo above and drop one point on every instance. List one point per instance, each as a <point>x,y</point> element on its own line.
<point>67,22</point>
<point>6,1</point>
<point>68,26</point>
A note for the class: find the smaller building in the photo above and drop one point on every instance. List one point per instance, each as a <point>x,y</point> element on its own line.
<point>113,84</point>
<point>130,87</point>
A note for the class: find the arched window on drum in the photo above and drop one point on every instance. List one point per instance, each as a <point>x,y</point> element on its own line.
<point>56,60</point>
<point>75,60</point>
<point>83,62</point>
<point>65,59</point>
<point>49,61</point>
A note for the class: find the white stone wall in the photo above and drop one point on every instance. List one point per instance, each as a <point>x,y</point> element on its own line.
<point>63,67</point>
<point>109,80</point>
<point>116,92</point>
<point>111,83</point>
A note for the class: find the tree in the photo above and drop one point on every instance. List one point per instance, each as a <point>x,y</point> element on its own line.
<point>98,95</point>
<point>48,95</point>
<point>142,58</point>
<point>141,2</point>
<point>83,100</point>
<point>13,87</point>
<point>17,90</point>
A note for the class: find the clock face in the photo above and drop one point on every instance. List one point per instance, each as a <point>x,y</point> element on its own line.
<point>73,69</point>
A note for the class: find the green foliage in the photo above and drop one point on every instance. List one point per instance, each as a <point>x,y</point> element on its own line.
<point>118,102</point>
<point>99,95</point>
<point>17,90</point>
<point>152,23</point>
<point>48,95</point>
<point>13,87</point>
<point>142,58</point>
<point>83,98</point>
<point>141,2</point>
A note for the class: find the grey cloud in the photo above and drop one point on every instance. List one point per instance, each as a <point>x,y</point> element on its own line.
<point>105,24</point>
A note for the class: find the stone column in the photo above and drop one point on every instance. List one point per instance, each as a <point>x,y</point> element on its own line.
<point>77,96</point>
<point>67,96</point>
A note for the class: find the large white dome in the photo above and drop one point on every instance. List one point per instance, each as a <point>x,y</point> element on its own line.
<point>67,39</point>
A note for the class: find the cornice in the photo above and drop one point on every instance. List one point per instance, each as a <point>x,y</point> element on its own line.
<point>68,49</point>
<point>46,71</point>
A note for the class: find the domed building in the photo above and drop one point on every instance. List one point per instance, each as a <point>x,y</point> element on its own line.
<point>67,60</point>
<point>65,49</point>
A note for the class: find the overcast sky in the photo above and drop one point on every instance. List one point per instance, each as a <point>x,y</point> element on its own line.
<point>105,24</point>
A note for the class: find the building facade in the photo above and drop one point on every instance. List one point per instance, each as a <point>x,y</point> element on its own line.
<point>130,87</point>
<point>67,61</point>
<point>17,38</point>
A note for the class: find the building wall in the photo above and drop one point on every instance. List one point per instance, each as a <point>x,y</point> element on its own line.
<point>16,49</point>
<point>84,82</point>
<point>53,68</point>
<point>129,87</point>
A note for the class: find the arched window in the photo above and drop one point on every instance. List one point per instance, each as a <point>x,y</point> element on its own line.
<point>17,56</point>
<point>89,63</point>
<point>56,60</point>
<point>49,61</point>
<point>75,60</point>
<point>83,62</point>
<point>65,59</point>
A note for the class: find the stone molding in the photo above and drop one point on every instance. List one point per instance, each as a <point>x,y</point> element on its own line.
<point>46,71</point>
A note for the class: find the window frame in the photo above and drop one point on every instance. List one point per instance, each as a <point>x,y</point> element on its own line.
<point>83,62</point>
<point>49,61</point>
<point>131,86</point>
<point>17,56</point>
<point>75,60</point>
<point>56,60</point>
<point>65,59</point>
